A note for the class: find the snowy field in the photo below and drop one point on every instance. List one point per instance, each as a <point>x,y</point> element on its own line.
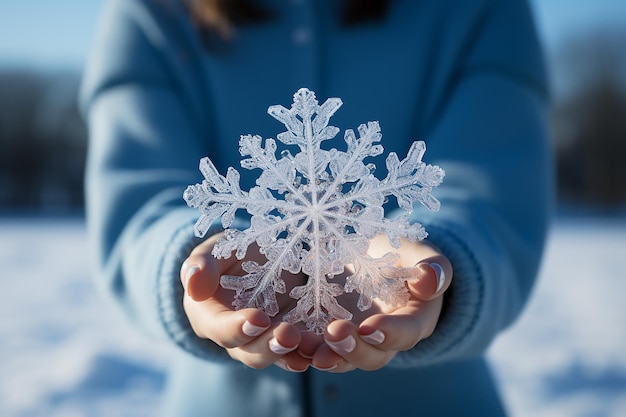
<point>64,352</point>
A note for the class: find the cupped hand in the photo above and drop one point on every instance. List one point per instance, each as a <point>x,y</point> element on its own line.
<point>372,338</point>
<point>248,335</point>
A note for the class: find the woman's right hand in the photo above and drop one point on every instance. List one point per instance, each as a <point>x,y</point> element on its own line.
<point>248,335</point>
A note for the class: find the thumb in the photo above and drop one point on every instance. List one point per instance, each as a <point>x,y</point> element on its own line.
<point>200,277</point>
<point>432,280</point>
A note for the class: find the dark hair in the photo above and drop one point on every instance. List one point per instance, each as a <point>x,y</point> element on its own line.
<point>221,16</point>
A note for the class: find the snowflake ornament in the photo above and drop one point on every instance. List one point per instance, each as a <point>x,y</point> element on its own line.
<point>314,212</point>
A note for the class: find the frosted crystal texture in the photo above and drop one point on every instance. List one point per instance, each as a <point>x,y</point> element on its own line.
<point>314,212</point>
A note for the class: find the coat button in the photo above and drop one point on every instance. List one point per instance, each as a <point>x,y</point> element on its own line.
<point>301,36</point>
<point>330,392</point>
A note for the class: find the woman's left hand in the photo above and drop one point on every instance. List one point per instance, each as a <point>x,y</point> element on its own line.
<point>372,338</point>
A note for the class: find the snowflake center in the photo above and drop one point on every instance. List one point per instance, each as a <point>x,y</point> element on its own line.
<point>316,210</point>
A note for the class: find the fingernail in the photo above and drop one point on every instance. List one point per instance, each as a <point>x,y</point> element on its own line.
<point>298,371</point>
<point>252,330</point>
<point>282,364</point>
<point>375,338</point>
<point>190,272</point>
<point>304,355</point>
<point>441,275</point>
<point>346,345</point>
<point>324,369</point>
<point>279,349</point>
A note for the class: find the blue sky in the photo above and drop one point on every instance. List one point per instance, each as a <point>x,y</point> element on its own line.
<point>56,33</point>
<point>558,19</point>
<point>46,33</point>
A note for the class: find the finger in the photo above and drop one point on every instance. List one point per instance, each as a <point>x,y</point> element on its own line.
<point>269,347</point>
<point>293,362</point>
<point>402,329</point>
<point>328,360</point>
<point>342,337</point>
<point>309,344</point>
<point>199,277</point>
<point>212,319</point>
<point>433,279</point>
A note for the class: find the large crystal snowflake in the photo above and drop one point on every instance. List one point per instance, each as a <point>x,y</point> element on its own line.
<point>314,213</point>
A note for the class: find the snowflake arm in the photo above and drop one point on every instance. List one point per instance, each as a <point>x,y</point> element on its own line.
<point>215,197</point>
<point>257,288</point>
<point>411,180</point>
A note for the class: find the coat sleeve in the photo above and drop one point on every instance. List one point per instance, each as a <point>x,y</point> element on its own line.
<point>144,149</point>
<point>490,136</point>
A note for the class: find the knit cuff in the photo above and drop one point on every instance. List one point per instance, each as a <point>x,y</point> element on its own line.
<point>461,308</point>
<point>170,295</point>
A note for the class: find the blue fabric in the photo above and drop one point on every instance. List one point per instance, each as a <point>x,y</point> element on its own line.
<point>467,77</point>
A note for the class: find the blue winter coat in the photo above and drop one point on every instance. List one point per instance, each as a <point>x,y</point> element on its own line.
<point>465,76</point>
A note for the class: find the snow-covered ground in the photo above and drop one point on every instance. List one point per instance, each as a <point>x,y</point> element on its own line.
<point>566,356</point>
<point>65,352</point>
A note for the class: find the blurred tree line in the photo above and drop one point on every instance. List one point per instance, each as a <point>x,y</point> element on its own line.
<point>589,119</point>
<point>43,138</point>
<point>42,141</point>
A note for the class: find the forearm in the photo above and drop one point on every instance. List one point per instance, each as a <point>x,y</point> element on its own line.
<point>144,149</point>
<point>495,206</point>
